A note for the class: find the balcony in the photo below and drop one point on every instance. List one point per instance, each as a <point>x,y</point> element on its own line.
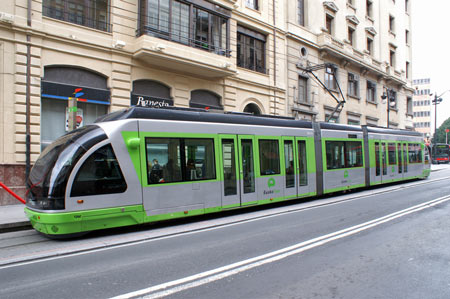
<point>185,37</point>
<point>183,59</point>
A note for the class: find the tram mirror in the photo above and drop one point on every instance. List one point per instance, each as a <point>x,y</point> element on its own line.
<point>133,143</point>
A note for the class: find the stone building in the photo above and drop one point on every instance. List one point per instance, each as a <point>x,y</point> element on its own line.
<point>262,57</point>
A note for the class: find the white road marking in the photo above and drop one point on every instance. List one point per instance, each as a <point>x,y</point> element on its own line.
<point>43,257</point>
<point>199,279</point>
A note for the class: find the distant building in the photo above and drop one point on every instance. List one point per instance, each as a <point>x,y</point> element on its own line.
<point>422,106</point>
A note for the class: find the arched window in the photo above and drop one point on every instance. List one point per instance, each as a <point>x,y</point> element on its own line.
<point>149,93</point>
<point>205,99</point>
<point>252,108</point>
<point>61,82</point>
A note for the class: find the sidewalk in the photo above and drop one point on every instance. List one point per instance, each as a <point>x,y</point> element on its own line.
<point>12,217</point>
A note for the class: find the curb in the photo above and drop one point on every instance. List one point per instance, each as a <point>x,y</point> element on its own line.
<point>14,226</point>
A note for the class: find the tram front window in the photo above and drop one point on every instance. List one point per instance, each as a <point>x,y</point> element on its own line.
<point>48,178</point>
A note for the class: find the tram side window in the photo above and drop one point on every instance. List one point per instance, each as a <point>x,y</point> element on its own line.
<point>269,157</point>
<point>392,154</point>
<point>377,159</point>
<point>343,154</point>
<point>199,155</point>
<point>99,174</point>
<point>302,163</point>
<point>163,160</point>
<point>415,153</point>
<point>171,160</point>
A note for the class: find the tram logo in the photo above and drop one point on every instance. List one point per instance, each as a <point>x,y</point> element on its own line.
<point>271,183</point>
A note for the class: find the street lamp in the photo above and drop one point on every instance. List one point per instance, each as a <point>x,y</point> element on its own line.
<point>388,94</point>
<point>437,100</point>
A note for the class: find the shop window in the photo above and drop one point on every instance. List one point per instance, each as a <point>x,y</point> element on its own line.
<point>60,83</point>
<point>205,99</point>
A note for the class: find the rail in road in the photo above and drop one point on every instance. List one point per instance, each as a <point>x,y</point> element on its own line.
<point>30,246</point>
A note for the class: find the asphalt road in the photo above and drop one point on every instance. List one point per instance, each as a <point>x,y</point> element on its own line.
<point>382,243</point>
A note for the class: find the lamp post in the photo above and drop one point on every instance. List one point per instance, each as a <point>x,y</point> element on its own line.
<point>436,101</point>
<point>446,136</point>
<point>389,95</point>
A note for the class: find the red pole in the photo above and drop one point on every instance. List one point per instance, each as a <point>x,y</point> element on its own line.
<point>12,193</point>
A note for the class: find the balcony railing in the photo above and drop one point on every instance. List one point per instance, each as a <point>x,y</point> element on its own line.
<point>204,31</point>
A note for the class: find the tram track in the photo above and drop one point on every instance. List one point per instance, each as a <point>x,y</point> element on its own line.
<point>48,249</point>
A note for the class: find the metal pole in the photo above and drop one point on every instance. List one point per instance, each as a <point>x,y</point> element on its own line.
<point>388,93</point>
<point>435,116</point>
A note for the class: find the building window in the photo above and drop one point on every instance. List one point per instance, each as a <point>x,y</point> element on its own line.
<point>409,106</point>
<point>369,46</point>
<point>371,92</point>
<point>252,108</point>
<point>391,24</point>
<point>369,8</point>
<point>301,12</point>
<point>353,85</point>
<point>392,58</point>
<point>353,122</point>
<point>350,35</point>
<point>89,13</point>
<point>203,25</point>
<point>205,99</point>
<point>251,50</point>
<point>302,89</point>
<point>407,70</point>
<point>331,77</point>
<point>407,37</point>
<point>329,20</point>
<point>406,6</point>
<point>253,4</point>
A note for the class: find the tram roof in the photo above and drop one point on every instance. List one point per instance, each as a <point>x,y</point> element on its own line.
<point>200,115</point>
<point>381,130</point>
<point>197,115</point>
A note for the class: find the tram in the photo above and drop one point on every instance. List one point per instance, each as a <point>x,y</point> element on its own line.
<point>142,165</point>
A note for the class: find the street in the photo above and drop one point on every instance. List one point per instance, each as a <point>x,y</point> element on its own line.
<point>387,242</point>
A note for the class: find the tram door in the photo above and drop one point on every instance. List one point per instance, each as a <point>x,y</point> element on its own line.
<point>237,155</point>
<point>247,179</point>
<point>400,160</point>
<point>384,166</point>
<point>380,161</point>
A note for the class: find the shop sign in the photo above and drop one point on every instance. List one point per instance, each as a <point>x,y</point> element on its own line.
<point>150,102</point>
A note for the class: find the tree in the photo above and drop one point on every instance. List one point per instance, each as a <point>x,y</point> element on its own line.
<point>440,132</point>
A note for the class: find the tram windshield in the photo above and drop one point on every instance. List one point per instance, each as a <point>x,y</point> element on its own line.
<point>48,178</point>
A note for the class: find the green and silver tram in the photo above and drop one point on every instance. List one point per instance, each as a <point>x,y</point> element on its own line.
<point>143,165</point>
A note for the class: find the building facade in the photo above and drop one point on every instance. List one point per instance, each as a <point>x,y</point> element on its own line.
<point>422,107</point>
<point>262,57</point>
